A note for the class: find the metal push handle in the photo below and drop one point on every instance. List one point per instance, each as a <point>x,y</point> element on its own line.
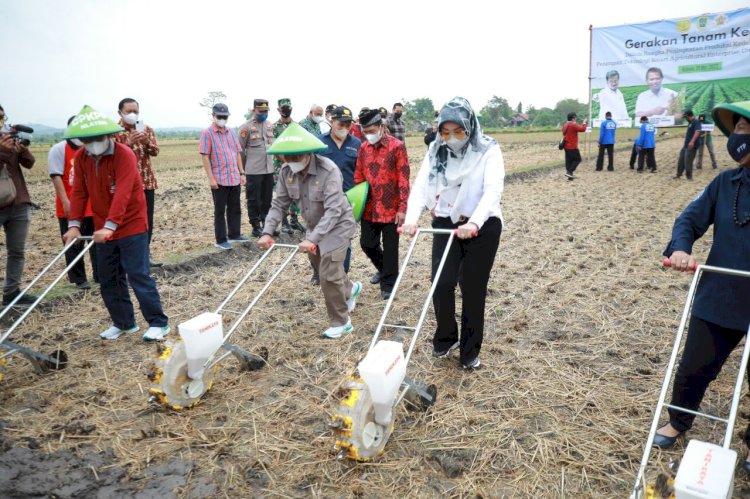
<point>39,298</point>
<point>639,485</point>
<point>210,362</point>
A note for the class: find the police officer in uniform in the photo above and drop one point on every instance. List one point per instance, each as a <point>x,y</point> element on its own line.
<point>285,110</point>
<point>256,136</point>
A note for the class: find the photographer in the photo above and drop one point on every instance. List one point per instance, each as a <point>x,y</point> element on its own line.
<point>15,216</point>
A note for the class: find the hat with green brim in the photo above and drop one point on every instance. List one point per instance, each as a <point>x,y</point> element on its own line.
<point>295,140</point>
<point>724,115</point>
<point>357,197</point>
<point>90,123</point>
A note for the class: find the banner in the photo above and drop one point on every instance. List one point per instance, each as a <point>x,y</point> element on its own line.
<point>661,68</point>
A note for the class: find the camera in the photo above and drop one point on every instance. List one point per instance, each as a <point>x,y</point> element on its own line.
<point>14,130</point>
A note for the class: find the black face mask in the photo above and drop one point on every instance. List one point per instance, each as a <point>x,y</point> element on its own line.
<point>738,146</point>
<point>285,113</point>
<point>397,114</point>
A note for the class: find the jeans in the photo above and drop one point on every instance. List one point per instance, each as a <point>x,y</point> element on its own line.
<point>685,162</point>
<point>15,221</point>
<point>227,212</point>
<point>259,193</point>
<point>122,262</point>
<point>469,264</point>
<point>707,348</point>
<point>572,160</point>
<point>610,148</point>
<point>77,274</point>
<point>385,258</point>
<point>149,212</point>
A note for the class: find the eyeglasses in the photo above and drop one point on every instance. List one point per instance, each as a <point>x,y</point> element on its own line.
<point>459,133</point>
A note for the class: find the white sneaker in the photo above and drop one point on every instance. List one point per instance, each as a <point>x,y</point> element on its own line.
<point>115,332</point>
<point>156,333</point>
<point>351,303</point>
<point>336,331</point>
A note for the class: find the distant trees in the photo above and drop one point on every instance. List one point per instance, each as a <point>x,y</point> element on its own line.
<point>212,98</point>
<point>418,113</point>
<point>497,113</point>
<point>554,117</point>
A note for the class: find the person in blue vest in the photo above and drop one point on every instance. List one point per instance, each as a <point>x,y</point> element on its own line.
<point>646,144</point>
<point>606,143</point>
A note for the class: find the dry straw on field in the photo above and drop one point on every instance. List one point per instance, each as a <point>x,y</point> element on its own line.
<point>579,325</point>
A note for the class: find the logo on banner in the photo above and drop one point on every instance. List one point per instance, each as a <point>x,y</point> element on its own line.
<point>683,25</point>
<point>702,23</point>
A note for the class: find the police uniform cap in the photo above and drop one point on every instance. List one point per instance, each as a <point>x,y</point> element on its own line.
<point>260,104</point>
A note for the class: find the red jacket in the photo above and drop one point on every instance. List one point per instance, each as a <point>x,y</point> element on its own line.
<point>571,130</point>
<point>385,166</point>
<point>115,189</point>
<point>67,177</point>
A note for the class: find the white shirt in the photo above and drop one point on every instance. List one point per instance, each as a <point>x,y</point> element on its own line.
<point>484,185</point>
<point>56,159</point>
<point>325,126</point>
<point>612,101</point>
<point>649,100</point>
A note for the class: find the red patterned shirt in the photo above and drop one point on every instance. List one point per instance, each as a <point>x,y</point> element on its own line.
<point>143,152</point>
<point>385,166</point>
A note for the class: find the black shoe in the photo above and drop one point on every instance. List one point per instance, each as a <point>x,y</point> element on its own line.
<point>598,170</point>
<point>154,264</point>
<point>689,178</point>
<point>375,279</point>
<point>26,299</point>
<point>385,294</point>
<point>610,169</point>
<point>257,232</point>
<point>640,170</point>
<point>83,285</point>
<point>632,167</point>
<point>285,228</point>
<point>472,364</point>
<point>664,442</point>
<point>315,280</point>
<point>438,354</point>
<point>714,167</point>
<point>653,170</point>
<point>295,224</point>
<point>676,177</point>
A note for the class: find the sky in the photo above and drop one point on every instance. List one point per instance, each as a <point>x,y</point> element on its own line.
<point>168,55</point>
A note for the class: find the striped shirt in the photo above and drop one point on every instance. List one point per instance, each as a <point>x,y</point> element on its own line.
<point>221,146</point>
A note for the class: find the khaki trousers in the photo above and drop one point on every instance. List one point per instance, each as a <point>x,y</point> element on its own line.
<point>334,282</point>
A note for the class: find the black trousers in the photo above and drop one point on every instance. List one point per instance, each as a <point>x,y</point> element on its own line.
<point>633,156</point>
<point>647,156</point>
<point>610,148</point>
<point>384,258</point>
<point>707,348</point>
<point>227,212</point>
<point>572,160</point>
<point>259,193</point>
<point>150,212</point>
<point>77,274</point>
<point>469,264</point>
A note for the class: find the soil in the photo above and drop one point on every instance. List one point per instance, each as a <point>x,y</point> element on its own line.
<point>580,321</point>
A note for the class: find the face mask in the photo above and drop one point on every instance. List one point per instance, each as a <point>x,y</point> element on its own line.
<point>317,119</point>
<point>397,115</point>
<point>97,148</point>
<point>456,144</point>
<point>298,166</point>
<point>373,138</point>
<point>738,146</point>
<point>130,118</point>
<point>341,134</point>
<point>221,123</point>
<point>285,113</point>
<point>261,117</point>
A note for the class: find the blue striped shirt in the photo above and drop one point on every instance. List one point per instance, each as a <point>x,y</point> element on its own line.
<point>221,146</point>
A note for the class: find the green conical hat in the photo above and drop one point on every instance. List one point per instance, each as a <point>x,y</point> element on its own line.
<point>90,123</point>
<point>723,114</point>
<point>296,140</point>
<point>357,197</point>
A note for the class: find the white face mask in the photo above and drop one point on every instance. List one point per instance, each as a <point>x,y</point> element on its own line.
<point>220,123</point>
<point>456,144</point>
<point>130,118</point>
<point>374,138</point>
<point>298,166</point>
<point>97,148</point>
<point>317,119</point>
<point>77,142</point>
<point>340,134</point>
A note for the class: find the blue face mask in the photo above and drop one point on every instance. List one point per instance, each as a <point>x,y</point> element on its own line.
<point>261,117</point>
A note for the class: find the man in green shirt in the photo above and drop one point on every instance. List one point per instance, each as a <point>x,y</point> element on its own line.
<point>311,123</point>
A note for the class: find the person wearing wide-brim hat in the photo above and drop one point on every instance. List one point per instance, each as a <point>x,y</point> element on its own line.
<point>720,312</point>
<point>315,184</point>
<point>107,175</point>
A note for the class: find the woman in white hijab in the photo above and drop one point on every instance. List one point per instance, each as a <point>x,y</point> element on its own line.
<point>461,183</point>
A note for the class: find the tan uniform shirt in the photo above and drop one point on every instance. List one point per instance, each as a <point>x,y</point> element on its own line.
<point>320,196</point>
<point>255,138</point>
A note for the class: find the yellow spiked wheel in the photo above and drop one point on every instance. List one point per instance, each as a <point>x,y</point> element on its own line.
<point>356,434</point>
<point>3,361</point>
<point>171,384</point>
